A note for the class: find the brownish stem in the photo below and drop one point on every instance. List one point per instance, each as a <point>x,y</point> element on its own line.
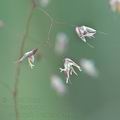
<point>17,74</point>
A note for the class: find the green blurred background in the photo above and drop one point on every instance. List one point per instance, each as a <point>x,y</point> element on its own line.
<point>88,98</point>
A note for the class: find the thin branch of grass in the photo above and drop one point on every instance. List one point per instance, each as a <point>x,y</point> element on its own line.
<point>17,74</point>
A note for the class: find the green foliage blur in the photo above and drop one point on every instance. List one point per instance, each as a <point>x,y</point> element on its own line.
<point>87,98</point>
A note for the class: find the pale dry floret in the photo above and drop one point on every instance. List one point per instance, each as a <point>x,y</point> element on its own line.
<point>115,5</point>
<point>30,56</point>
<point>89,67</point>
<point>84,31</point>
<point>58,85</point>
<point>68,68</point>
<point>61,44</point>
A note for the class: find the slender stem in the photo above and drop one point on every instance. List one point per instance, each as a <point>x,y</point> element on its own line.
<point>51,24</point>
<point>17,74</point>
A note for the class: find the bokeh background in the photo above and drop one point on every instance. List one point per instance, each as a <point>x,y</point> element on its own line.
<point>87,98</point>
